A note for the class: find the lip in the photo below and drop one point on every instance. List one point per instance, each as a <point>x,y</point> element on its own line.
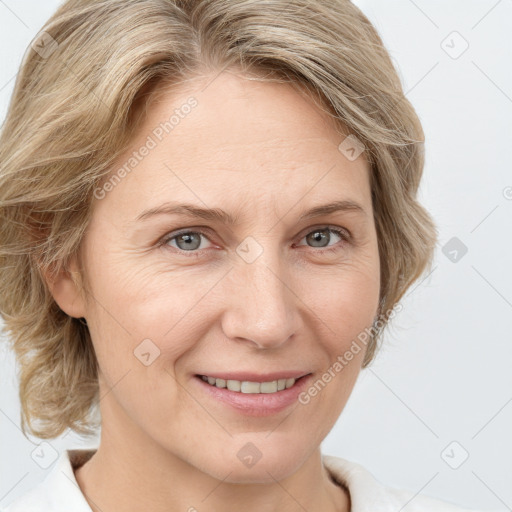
<point>255,404</point>
<point>257,377</point>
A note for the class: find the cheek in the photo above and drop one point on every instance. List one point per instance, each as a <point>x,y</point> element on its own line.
<point>147,316</point>
<point>136,296</point>
<point>346,297</point>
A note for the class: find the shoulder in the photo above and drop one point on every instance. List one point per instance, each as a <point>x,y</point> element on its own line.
<point>58,491</point>
<point>367,493</point>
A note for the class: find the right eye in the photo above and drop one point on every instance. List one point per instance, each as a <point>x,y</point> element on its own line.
<point>185,241</point>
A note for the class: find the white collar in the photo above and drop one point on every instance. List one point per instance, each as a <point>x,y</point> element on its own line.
<point>60,492</point>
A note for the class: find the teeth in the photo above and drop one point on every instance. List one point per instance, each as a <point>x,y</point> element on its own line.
<point>250,387</point>
<point>268,387</point>
<point>289,383</point>
<point>233,385</point>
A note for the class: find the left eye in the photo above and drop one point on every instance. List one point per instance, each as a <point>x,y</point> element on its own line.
<point>190,241</point>
<point>319,236</point>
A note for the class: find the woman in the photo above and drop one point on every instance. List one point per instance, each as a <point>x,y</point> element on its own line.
<point>208,215</point>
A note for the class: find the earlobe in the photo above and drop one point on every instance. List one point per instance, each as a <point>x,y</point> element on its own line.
<point>66,288</point>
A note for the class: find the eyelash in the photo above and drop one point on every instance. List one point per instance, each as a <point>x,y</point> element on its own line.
<point>343,234</point>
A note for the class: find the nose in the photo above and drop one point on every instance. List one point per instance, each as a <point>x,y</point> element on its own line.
<point>261,307</point>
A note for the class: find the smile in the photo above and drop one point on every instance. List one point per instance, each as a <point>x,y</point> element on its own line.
<point>254,394</point>
<point>250,387</point>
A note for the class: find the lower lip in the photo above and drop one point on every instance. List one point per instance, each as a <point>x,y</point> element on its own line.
<point>256,404</point>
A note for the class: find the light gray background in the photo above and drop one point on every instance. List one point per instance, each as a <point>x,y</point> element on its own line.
<point>444,376</point>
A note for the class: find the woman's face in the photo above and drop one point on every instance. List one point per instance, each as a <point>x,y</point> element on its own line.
<point>272,293</point>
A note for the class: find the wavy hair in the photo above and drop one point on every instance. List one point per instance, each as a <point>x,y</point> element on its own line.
<point>78,97</point>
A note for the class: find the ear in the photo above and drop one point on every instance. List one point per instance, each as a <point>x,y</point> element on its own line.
<point>66,289</point>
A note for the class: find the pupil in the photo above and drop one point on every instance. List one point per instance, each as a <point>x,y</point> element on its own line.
<point>319,235</point>
<point>189,240</point>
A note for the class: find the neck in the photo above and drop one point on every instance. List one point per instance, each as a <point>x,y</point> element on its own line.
<point>130,477</point>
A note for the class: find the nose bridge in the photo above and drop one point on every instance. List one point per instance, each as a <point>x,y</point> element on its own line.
<point>262,308</point>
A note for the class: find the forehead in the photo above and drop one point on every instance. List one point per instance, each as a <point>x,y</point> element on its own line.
<point>231,138</point>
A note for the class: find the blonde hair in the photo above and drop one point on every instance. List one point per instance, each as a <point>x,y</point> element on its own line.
<point>76,103</point>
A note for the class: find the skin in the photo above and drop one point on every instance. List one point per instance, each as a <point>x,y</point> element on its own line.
<point>266,153</point>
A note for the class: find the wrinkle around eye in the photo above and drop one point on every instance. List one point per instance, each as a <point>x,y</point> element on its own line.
<point>357,229</point>
<point>344,242</point>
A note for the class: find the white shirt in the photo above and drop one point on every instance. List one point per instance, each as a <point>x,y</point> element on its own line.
<point>59,490</point>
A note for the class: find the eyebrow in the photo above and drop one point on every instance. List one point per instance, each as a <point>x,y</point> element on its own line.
<point>219,215</point>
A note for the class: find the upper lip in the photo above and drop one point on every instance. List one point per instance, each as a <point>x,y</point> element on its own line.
<point>256,377</point>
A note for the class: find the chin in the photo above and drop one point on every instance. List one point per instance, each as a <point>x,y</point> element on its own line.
<point>264,468</point>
